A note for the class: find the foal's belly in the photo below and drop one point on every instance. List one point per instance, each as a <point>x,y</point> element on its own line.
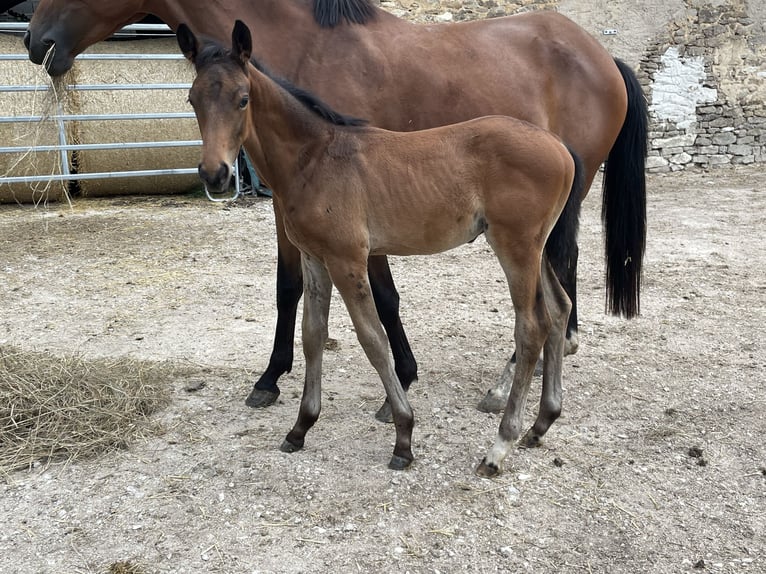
<point>425,234</point>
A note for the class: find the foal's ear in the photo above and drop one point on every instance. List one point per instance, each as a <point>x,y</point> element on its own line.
<point>241,42</point>
<point>187,41</point>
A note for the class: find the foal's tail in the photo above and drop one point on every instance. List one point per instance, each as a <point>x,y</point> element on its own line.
<point>623,210</point>
<point>561,247</point>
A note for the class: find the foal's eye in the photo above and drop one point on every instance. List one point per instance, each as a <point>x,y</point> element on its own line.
<point>243,102</point>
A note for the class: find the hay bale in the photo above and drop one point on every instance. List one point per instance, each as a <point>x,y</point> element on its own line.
<point>97,102</point>
<point>138,101</point>
<point>67,407</point>
<point>26,134</point>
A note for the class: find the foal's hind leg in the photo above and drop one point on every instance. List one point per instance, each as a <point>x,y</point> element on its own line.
<point>531,331</point>
<point>316,309</point>
<point>559,306</point>
<point>387,304</point>
<point>351,279</point>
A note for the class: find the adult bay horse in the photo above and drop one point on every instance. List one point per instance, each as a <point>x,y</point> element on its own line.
<point>540,67</point>
<point>346,192</point>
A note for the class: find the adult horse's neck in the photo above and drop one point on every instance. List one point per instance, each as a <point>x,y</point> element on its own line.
<point>283,30</point>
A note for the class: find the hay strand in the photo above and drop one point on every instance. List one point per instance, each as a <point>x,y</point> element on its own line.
<point>54,408</point>
<point>49,97</point>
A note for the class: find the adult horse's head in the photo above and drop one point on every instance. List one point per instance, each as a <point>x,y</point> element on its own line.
<point>220,95</point>
<point>70,26</point>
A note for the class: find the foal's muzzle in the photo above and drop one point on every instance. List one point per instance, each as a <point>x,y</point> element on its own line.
<point>217,181</point>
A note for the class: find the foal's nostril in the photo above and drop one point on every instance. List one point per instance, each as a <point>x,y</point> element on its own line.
<point>223,174</point>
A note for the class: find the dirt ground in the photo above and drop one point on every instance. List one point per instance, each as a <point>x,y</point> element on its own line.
<point>657,463</point>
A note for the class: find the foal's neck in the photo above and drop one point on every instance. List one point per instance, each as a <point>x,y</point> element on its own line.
<point>283,133</point>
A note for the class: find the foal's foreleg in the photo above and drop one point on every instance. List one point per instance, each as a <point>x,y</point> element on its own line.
<point>559,306</point>
<point>289,291</point>
<point>387,304</point>
<point>316,308</point>
<point>351,279</point>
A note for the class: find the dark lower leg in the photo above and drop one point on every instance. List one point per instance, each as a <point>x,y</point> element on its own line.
<point>559,306</point>
<point>569,283</point>
<point>289,291</point>
<point>387,305</point>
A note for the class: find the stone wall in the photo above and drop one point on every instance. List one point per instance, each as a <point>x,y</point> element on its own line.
<point>702,64</point>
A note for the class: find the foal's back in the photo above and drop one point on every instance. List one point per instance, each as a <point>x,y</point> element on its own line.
<point>429,191</point>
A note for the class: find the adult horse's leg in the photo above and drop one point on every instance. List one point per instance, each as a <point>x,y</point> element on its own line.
<point>289,291</point>
<point>316,308</point>
<point>558,305</point>
<point>387,305</point>
<point>530,332</point>
<point>561,248</point>
<point>351,280</point>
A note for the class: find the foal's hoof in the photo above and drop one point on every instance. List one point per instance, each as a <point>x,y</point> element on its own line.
<point>259,399</point>
<point>399,462</point>
<point>531,440</point>
<point>492,403</point>
<point>487,470</point>
<point>288,446</point>
<point>384,413</point>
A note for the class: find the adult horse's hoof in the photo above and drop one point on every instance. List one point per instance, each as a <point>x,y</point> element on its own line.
<point>571,344</point>
<point>288,446</point>
<point>492,403</point>
<point>399,462</point>
<point>487,470</point>
<point>384,413</point>
<point>259,399</point>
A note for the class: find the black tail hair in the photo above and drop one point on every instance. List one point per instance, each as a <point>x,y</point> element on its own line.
<point>623,209</point>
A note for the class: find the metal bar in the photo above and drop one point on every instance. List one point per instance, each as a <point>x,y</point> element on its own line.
<point>97,175</point>
<point>97,87</point>
<point>101,146</point>
<point>24,57</point>
<point>22,27</point>
<point>96,117</point>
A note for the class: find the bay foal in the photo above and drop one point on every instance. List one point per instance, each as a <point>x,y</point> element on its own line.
<point>347,191</point>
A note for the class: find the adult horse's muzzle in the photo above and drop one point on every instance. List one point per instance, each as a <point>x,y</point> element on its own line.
<point>45,50</point>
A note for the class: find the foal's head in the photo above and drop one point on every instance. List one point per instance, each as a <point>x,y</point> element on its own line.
<point>220,97</point>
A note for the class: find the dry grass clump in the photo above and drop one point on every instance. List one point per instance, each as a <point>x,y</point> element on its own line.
<point>125,568</point>
<point>55,407</point>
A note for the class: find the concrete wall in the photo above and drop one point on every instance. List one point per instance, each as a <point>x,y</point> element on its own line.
<point>702,65</point>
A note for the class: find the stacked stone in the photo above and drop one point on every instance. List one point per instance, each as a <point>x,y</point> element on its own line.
<point>457,10</point>
<point>728,124</point>
<point>726,131</point>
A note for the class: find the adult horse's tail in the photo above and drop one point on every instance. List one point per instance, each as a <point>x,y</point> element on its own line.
<point>623,210</point>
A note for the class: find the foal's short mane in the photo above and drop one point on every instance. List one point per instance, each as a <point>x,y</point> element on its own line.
<point>330,13</point>
<point>214,53</point>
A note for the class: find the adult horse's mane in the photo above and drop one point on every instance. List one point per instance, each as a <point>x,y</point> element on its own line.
<point>330,13</point>
<point>212,52</point>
